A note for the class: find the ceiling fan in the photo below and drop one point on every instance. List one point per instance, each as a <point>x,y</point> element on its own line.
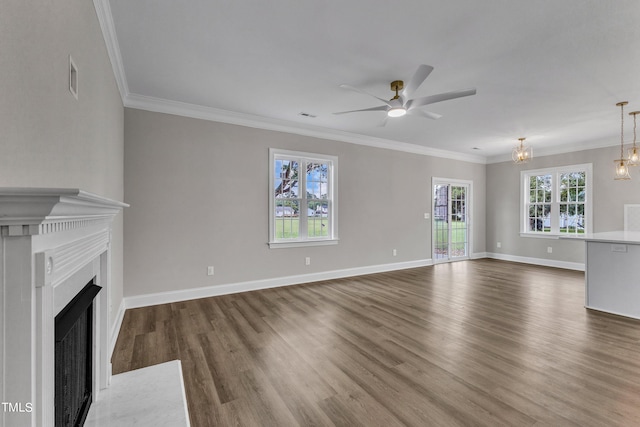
<point>402,103</point>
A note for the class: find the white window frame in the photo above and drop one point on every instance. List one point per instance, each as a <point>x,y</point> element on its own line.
<point>555,172</point>
<point>303,239</point>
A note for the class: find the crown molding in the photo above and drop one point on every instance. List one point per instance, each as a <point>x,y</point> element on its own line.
<point>159,105</point>
<point>105,18</point>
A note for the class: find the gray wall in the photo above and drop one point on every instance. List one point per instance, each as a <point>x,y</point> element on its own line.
<point>199,196</point>
<point>50,139</point>
<point>503,207</point>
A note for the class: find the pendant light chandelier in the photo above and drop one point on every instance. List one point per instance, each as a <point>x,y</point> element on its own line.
<point>622,164</point>
<point>633,154</point>
<point>522,153</point>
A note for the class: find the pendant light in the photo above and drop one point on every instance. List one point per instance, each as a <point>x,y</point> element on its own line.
<point>522,153</point>
<point>633,154</point>
<point>621,164</point>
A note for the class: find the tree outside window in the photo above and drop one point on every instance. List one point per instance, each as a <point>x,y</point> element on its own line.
<point>303,205</point>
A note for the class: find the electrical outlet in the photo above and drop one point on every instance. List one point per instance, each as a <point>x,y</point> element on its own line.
<point>210,270</point>
<point>307,260</point>
<point>426,215</point>
<point>498,245</point>
<point>549,249</point>
<point>395,252</point>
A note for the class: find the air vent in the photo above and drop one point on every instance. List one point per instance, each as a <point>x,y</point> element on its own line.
<point>73,78</point>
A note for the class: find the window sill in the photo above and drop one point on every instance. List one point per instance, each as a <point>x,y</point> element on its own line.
<point>302,243</point>
<point>554,236</point>
<point>540,235</point>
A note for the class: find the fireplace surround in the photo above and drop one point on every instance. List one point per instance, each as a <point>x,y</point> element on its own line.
<point>52,243</point>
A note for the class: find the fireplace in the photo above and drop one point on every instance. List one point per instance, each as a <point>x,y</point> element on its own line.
<point>53,242</point>
<point>74,358</point>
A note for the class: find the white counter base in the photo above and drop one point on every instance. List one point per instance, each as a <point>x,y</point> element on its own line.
<point>612,280</point>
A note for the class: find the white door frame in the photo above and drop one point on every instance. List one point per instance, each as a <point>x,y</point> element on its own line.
<point>469,208</point>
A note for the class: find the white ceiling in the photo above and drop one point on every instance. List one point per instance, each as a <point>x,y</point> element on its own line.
<point>548,70</point>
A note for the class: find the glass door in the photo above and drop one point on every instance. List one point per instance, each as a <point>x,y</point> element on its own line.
<point>451,220</point>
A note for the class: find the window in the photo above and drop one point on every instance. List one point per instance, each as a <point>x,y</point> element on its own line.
<point>556,201</point>
<point>302,201</point>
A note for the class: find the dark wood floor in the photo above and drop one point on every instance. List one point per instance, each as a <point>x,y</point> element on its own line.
<point>481,342</point>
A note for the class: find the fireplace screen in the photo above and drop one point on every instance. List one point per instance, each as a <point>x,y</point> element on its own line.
<point>73,358</point>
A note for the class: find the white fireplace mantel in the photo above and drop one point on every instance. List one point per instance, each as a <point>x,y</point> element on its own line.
<point>53,241</point>
<point>46,210</point>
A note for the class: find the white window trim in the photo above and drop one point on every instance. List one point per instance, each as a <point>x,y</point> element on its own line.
<point>333,188</point>
<point>555,171</point>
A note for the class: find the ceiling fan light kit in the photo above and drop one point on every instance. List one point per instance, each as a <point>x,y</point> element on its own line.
<point>402,103</point>
<point>396,109</point>
<point>396,112</point>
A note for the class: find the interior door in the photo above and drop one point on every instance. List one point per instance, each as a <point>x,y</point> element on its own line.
<point>451,220</point>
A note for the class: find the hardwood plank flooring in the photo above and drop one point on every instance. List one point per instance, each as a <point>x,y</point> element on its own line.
<point>482,342</point>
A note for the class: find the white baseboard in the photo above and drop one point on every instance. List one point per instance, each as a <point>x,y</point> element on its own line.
<point>232,288</point>
<point>538,261</point>
<point>478,255</point>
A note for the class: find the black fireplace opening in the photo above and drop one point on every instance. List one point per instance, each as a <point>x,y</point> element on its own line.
<point>74,358</point>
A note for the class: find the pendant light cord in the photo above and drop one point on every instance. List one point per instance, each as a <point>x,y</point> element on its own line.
<point>634,131</point>
<point>622,131</point>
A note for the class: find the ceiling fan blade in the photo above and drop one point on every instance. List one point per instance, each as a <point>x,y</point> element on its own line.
<point>419,76</point>
<point>432,99</point>
<point>355,89</point>
<point>379,108</point>
<point>427,114</point>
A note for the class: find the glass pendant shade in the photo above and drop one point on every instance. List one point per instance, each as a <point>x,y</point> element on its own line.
<point>522,153</point>
<point>622,169</point>
<point>621,164</point>
<point>633,156</point>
